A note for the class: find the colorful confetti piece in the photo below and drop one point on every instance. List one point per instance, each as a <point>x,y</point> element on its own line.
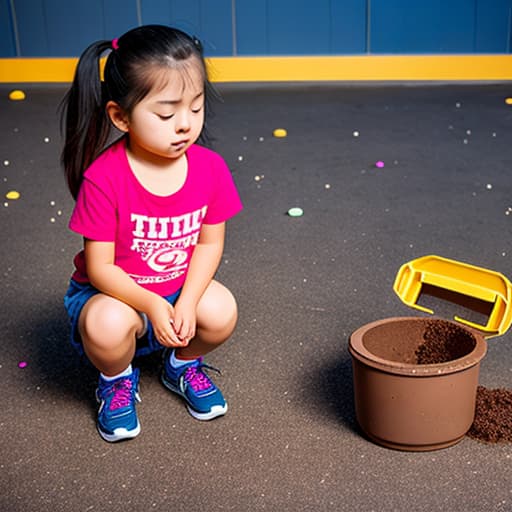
<point>16,95</point>
<point>280,133</point>
<point>12,194</point>
<point>295,212</point>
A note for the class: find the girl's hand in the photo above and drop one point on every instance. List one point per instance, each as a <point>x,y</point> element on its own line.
<point>112,280</point>
<point>161,315</point>
<point>185,321</point>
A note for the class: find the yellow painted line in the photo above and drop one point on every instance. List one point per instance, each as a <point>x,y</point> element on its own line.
<point>305,68</point>
<point>354,68</point>
<point>37,70</point>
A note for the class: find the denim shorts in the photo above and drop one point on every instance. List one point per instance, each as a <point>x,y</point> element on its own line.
<point>76,297</point>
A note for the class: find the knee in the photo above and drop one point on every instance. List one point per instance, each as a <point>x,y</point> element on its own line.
<point>108,323</point>
<point>228,312</point>
<point>218,311</point>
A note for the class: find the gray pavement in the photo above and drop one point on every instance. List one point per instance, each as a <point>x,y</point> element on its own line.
<point>290,441</point>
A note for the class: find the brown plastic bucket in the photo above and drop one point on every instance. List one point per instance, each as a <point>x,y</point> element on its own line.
<point>409,406</point>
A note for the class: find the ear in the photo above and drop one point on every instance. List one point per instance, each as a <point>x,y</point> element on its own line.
<point>117,116</point>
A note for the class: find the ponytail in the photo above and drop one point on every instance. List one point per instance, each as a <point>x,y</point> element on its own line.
<point>83,118</point>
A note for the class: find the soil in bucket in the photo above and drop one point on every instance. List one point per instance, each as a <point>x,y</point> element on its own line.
<point>438,341</point>
<point>443,342</point>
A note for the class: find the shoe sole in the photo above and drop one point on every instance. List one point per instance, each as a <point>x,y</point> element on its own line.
<point>214,412</point>
<point>120,434</point>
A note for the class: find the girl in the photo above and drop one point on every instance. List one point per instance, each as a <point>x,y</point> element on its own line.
<point>151,208</point>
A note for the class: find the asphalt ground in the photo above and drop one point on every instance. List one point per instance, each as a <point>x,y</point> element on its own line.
<point>290,440</point>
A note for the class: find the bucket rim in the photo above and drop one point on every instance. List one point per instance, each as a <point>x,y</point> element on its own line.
<point>359,352</point>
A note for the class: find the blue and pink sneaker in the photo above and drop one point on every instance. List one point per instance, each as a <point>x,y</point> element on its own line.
<point>117,417</point>
<point>204,399</point>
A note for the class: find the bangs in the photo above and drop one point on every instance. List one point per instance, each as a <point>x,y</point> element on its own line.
<point>189,72</point>
<point>156,76</point>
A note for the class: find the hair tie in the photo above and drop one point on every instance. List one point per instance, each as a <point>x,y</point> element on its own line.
<point>197,44</point>
<point>115,44</point>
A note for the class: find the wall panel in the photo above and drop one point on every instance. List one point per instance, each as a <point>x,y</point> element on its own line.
<point>493,24</point>
<point>209,20</point>
<point>295,28</point>
<point>118,17</point>
<point>7,37</point>
<point>348,26</point>
<point>291,27</point>
<point>423,26</point>
<point>62,28</point>
<point>251,27</point>
<point>217,27</point>
<point>72,27</point>
<point>32,28</point>
<point>170,12</point>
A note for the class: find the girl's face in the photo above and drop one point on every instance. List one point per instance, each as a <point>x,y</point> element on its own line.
<point>168,120</point>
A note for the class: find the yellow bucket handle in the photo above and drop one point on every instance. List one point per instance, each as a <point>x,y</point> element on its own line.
<point>462,278</point>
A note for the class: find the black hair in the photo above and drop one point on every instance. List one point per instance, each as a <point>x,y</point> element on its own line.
<point>127,80</point>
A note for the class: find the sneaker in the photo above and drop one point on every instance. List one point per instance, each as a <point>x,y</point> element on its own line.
<point>204,399</point>
<point>117,418</point>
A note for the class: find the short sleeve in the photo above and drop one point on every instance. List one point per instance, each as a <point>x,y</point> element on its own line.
<point>94,216</point>
<point>225,200</point>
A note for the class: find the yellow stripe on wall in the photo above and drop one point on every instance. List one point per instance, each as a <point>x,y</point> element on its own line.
<point>37,70</point>
<point>354,68</point>
<point>292,69</point>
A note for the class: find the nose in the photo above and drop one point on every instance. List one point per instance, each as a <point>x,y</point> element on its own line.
<point>182,122</point>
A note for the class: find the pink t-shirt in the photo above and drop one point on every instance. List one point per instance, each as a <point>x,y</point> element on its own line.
<point>154,236</point>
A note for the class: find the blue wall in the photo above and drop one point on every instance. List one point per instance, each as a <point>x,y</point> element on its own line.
<point>63,28</point>
<point>440,26</point>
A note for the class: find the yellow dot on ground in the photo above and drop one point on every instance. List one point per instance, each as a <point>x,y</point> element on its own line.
<point>508,101</point>
<point>280,132</point>
<point>16,95</point>
<point>12,194</point>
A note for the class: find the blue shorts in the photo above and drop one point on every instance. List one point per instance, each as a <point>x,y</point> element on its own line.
<point>76,297</point>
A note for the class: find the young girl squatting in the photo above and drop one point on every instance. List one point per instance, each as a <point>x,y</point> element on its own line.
<point>151,208</point>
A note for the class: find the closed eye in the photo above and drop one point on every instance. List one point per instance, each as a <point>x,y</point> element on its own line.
<point>165,118</point>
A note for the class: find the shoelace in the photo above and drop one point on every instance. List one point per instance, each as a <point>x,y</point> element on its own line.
<point>122,391</point>
<point>197,379</point>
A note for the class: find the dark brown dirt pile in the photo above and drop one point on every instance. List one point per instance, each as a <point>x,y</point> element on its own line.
<point>444,341</point>
<point>493,416</point>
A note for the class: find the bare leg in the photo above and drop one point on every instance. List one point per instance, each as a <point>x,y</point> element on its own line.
<point>108,328</point>
<point>216,320</point>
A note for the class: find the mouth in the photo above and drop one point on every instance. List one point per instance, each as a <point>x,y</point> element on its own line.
<point>179,145</point>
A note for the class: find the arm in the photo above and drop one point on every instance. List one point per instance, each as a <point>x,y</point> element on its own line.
<point>112,280</point>
<point>203,265</point>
